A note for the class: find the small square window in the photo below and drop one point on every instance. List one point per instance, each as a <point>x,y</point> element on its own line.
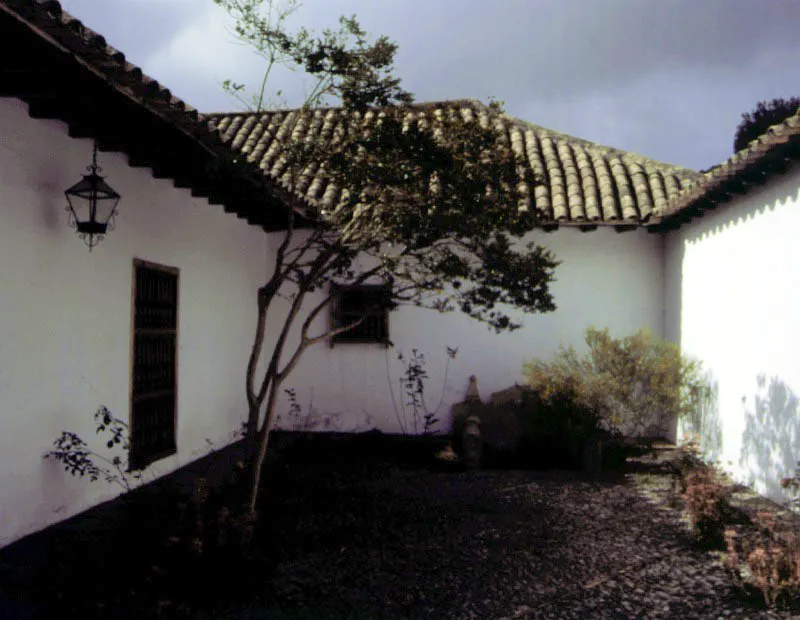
<point>367,303</point>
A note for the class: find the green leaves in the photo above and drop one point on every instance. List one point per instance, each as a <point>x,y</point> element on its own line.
<point>638,383</point>
<point>443,186</point>
<point>759,120</point>
<point>232,87</point>
<point>342,62</point>
<point>418,197</point>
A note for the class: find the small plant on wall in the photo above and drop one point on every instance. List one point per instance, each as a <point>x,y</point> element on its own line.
<point>414,416</point>
<point>80,460</point>
<point>172,541</point>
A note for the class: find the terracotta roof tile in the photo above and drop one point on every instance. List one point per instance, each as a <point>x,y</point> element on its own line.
<point>583,182</point>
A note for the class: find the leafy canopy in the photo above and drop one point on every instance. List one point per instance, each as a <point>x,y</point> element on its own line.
<point>432,202</point>
<point>765,115</point>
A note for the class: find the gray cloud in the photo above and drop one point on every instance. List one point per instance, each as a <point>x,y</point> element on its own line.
<point>665,78</point>
<point>560,49</point>
<point>138,28</point>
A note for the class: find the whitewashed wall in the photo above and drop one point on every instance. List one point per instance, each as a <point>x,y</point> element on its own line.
<point>733,300</point>
<point>606,279</point>
<point>65,314</point>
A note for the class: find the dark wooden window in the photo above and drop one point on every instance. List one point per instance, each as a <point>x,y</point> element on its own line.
<point>153,389</point>
<point>367,302</point>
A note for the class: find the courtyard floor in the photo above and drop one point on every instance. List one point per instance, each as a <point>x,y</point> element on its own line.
<point>494,544</point>
<point>365,538</point>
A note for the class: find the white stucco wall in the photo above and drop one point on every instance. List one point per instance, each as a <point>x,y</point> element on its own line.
<point>606,279</point>
<point>733,301</point>
<point>65,314</point>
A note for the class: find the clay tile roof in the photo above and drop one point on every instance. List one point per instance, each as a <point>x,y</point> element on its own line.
<point>584,183</point>
<point>766,155</point>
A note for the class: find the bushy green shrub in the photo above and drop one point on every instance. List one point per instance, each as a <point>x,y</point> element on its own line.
<point>556,425</point>
<point>636,384</point>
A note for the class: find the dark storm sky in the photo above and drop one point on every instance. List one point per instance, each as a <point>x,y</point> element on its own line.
<point>665,78</point>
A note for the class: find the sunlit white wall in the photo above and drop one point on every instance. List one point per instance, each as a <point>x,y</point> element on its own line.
<point>606,279</point>
<point>733,301</point>
<point>65,314</point>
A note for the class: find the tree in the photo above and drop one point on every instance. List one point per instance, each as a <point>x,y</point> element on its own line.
<point>766,114</point>
<point>431,209</point>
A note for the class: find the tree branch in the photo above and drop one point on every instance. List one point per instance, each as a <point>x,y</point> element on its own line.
<point>306,342</point>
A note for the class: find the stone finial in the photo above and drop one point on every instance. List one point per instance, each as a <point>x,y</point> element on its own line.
<point>472,443</point>
<point>472,389</point>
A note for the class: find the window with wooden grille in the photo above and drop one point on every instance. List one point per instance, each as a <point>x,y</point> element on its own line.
<point>365,307</point>
<point>153,381</point>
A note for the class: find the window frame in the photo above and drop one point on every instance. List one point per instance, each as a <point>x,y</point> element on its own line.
<point>136,460</point>
<point>339,312</point>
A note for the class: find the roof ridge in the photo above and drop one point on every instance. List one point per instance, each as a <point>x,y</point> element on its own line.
<point>48,21</point>
<point>476,103</point>
<point>772,129</point>
<point>71,31</point>
<point>415,104</point>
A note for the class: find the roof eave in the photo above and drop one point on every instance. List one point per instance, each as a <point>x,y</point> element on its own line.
<point>64,71</point>
<point>736,177</point>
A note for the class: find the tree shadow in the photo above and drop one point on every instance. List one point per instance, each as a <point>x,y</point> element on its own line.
<point>704,421</point>
<point>771,438</point>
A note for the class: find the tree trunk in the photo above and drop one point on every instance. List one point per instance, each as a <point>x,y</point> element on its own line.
<point>251,434</point>
<point>254,401</point>
<point>263,440</point>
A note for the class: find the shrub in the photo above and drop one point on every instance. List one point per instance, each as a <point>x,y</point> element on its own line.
<point>791,485</point>
<point>557,422</point>
<point>636,384</point>
<point>561,412</point>
<point>178,552</point>
<point>690,459</point>
<point>765,562</point>
<point>706,502</point>
<point>78,459</point>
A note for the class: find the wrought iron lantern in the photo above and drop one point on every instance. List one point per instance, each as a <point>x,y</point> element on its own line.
<point>92,205</point>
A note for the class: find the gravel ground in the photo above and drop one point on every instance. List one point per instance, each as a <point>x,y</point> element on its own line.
<point>362,538</point>
<point>492,544</point>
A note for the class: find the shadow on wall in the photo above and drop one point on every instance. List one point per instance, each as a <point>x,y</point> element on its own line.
<point>300,418</point>
<point>704,421</point>
<point>771,438</point>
